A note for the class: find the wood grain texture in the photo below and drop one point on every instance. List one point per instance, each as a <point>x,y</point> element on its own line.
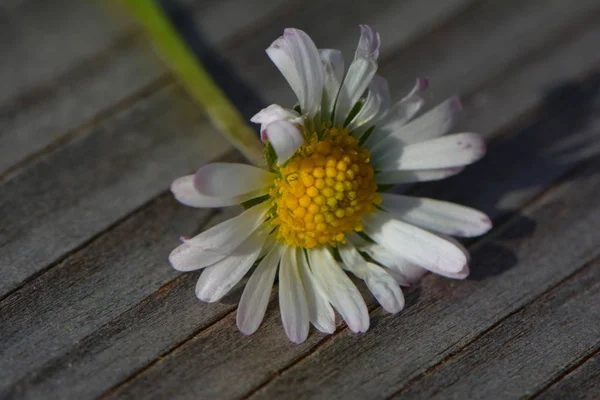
<point>38,41</point>
<point>112,316</point>
<point>16,193</point>
<point>122,270</point>
<point>107,76</point>
<point>581,383</point>
<point>85,187</point>
<point>74,190</point>
<point>525,351</point>
<point>192,372</point>
<point>512,267</point>
<point>485,40</point>
<point>398,22</point>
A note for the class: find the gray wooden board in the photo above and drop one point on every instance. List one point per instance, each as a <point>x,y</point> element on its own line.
<point>246,359</point>
<point>515,266</point>
<point>100,79</point>
<point>581,383</point>
<point>398,22</point>
<point>525,351</point>
<point>113,274</point>
<point>83,188</point>
<point>42,39</point>
<point>487,39</point>
<point>192,362</point>
<point>23,193</point>
<point>458,55</point>
<point>127,336</point>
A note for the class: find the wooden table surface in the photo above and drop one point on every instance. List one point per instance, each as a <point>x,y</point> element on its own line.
<point>93,129</point>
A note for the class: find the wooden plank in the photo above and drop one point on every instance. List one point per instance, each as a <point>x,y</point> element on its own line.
<point>448,315</point>
<point>38,41</point>
<point>487,39</point>
<point>398,22</point>
<point>525,351</point>
<point>24,337</point>
<point>15,202</point>
<point>85,292</point>
<point>204,365</point>
<point>458,56</point>
<point>85,187</point>
<point>581,383</point>
<point>107,76</point>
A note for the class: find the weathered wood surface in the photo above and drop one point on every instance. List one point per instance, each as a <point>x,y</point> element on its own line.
<point>90,143</point>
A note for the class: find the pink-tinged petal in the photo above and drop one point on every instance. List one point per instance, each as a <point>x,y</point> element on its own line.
<point>228,180</point>
<point>218,279</point>
<point>339,289</point>
<point>368,44</point>
<point>359,75</point>
<point>376,104</point>
<point>274,113</point>
<point>414,244</point>
<point>400,113</point>
<point>297,57</point>
<point>319,310</point>
<point>219,241</point>
<point>435,123</point>
<point>445,152</point>
<point>185,192</point>
<point>292,298</point>
<point>435,215</point>
<point>285,138</point>
<point>257,292</point>
<point>383,286</point>
<point>333,69</point>
<point>417,175</point>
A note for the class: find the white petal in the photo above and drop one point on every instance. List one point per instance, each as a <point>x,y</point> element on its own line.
<point>414,244</point>
<point>292,299</point>
<point>285,138</point>
<point>185,192</point>
<point>296,56</point>
<point>383,286</point>
<point>274,113</point>
<point>445,152</point>
<point>417,175</point>
<point>217,242</point>
<point>377,102</point>
<point>359,75</point>
<point>339,289</point>
<point>400,113</point>
<point>333,69</point>
<point>237,182</point>
<point>218,279</point>
<point>257,292</point>
<point>405,272</point>
<point>319,310</point>
<point>440,216</point>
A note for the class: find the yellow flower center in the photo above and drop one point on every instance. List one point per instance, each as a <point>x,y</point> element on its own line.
<point>323,191</point>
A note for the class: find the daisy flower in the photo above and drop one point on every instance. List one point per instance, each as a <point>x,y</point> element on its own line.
<point>318,209</point>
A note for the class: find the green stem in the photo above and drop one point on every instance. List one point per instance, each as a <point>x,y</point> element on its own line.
<point>195,79</point>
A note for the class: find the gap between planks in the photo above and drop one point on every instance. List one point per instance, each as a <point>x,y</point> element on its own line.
<point>565,372</point>
<point>460,350</point>
<point>128,38</point>
<point>498,229</point>
<point>500,226</point>
<point>148,204</point>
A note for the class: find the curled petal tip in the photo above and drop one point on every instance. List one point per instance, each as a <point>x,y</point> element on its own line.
<point>457,105</point>
<point>422,83</point>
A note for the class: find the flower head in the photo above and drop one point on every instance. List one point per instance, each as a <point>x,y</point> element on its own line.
<point>318,209</point>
